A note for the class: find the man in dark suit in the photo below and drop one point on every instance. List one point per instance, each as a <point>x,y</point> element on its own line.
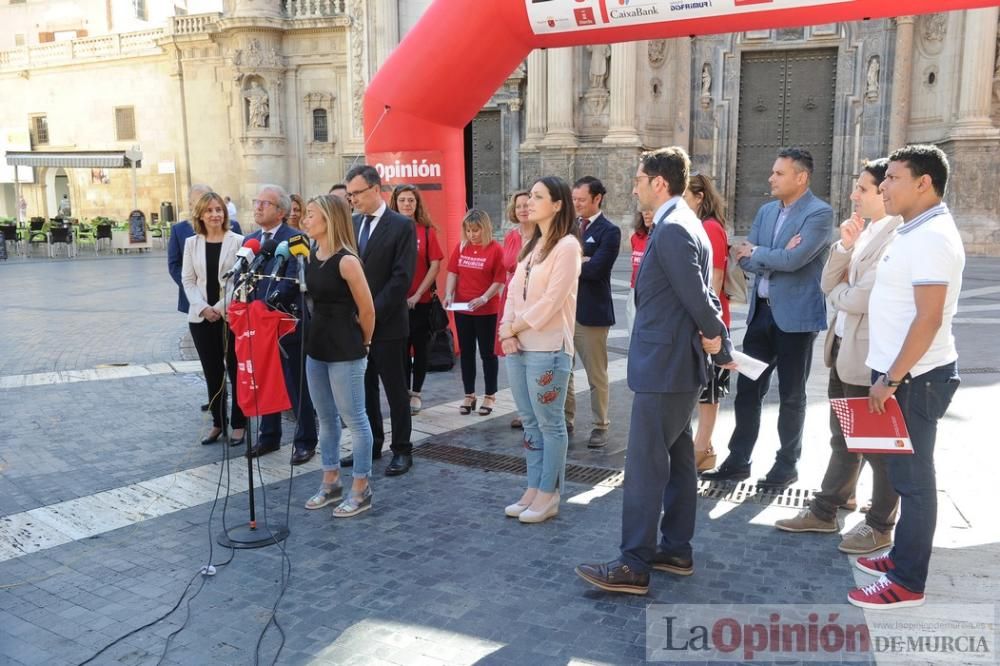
<point>678,319</point>
<point>269,209</point>
<point>179,233</point>
<point>595,311</point>
<point>388,246</point>
<point>785,251</point>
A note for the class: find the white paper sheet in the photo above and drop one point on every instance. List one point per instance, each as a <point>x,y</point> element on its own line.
<point>748,366</point>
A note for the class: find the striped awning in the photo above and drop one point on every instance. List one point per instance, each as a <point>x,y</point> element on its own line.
<point>86,159</point>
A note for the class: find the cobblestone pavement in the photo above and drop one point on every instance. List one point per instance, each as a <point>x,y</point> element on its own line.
<point>435,574</point>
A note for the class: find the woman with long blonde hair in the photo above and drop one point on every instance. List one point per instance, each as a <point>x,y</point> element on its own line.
<point>337,341</point>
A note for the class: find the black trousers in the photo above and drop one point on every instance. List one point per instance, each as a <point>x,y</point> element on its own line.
<point>791,355</point>
<point>387,360</point>
<point>478,330</point>
<point>216,347</point>
<point>420,337</point>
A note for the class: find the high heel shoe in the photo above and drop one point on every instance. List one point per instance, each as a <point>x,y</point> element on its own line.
<point>488,402</point>
<point>238,441</point>
<point>514,510</point>
<point>213,438</point>
<point>467,406</point>
<point>705,460</point>
<point>549,511</point>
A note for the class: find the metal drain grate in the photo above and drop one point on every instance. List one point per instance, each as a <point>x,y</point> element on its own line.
<point>796,498</point>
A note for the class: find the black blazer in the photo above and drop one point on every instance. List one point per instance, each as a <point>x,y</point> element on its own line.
<point>389,260</point>
<point>601,243</point>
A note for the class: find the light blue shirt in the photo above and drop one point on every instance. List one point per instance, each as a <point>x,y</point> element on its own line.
<point>764,283</point>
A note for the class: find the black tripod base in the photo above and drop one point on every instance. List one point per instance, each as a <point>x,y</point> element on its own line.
<point>244,536</point>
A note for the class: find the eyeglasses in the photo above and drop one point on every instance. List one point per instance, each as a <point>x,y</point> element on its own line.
<point>351,195</point>
<point>263,203</point>
<point>635,179</point>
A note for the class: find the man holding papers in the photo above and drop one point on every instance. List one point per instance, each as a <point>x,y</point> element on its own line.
<point>847,280</point>
<point>913,357</point>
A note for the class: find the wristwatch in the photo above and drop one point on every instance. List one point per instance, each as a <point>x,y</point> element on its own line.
<point>888,382</point>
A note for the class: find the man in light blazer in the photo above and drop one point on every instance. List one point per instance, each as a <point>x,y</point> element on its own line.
<point>269,209</point>
<point>678,319</point>
<point>848,279</point>
<point>387,242</point>
<point>785,251</point>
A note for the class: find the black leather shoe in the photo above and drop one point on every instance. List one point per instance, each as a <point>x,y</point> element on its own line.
<point>682,566</point>
<point>240,441</point>
<point>302,456</point>
<point>777,480</point>
<point>614,576</point>
<point>400,464</point>
<point>726,472</point>
<point>348,461</point>
<point>212,439</point>
<point>263,449</point>
<point>204,407</point>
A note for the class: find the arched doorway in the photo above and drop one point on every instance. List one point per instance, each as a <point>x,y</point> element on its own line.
<point>56,187</point>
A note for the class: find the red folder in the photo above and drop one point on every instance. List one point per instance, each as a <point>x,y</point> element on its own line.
<point>866,432</point>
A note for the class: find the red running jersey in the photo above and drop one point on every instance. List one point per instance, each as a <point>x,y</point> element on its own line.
<point>260,380</point>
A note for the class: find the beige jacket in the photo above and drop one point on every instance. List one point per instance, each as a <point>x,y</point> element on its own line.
<point>194,276</point>
<point>851,297</point>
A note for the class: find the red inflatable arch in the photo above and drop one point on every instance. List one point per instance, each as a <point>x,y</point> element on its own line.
<point>461,51</point>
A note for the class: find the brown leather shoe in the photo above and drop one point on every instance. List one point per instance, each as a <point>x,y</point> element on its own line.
<point>614,576</point>
<point>681,566</point>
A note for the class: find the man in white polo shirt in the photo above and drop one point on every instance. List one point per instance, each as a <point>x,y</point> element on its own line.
<point>913,357</point>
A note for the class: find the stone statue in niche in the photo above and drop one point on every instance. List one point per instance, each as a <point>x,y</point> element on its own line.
<point>258,106</point>
<point>599,55</point>
<point>706,80</point>
<point>872,77</point>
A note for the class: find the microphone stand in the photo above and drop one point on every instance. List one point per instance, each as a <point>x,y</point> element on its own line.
<point>250,535</point>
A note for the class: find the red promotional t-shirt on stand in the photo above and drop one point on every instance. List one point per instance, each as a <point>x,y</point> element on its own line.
<point>260,380</point>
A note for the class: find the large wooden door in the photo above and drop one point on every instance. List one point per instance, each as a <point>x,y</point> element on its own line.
<point>486,185</point>
<point>786,99</point>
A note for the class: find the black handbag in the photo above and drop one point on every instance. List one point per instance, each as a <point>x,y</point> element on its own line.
<point>437,317</point>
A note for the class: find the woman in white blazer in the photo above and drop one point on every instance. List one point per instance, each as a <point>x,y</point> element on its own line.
<point>208,255</point>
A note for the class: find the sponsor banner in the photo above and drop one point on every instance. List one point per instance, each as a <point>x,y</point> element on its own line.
<point>802,633</point>
<point>551,16</point>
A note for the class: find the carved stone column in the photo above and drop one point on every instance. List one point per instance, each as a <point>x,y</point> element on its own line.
<point>536,98</point>
<point>902,82</point>
<point>624,66</point>
<point>385,29</point>
<point>975,93</point>
<point>561,92</point>
<point>682,96</point>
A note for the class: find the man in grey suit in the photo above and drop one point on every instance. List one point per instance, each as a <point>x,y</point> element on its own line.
<point>678,321</point>
<point>785,251</point>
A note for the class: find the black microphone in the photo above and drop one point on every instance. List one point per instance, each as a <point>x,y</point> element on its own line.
<point>265,254</point>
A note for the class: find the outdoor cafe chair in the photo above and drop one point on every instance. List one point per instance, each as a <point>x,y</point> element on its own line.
<point>62,235</point>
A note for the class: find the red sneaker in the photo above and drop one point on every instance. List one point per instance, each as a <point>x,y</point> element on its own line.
<point>883,594</point>
<point>876,566</point>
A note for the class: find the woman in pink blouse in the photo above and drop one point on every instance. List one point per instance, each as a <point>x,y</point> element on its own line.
<point>516,238</point>
<point>537,337</point>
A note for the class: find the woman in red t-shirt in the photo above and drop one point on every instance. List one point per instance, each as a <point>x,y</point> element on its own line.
<point>705,201</point>
<point>516,238</point>
<point>640,234</point>
<point>476,275</point>
<point>407,201</point>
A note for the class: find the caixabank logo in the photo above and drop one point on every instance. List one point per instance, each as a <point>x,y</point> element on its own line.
<point>628,9</point>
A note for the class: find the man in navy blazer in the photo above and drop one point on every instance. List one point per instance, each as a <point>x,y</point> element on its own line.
<point>678,323</point>
<point>179,233</point>
<point>269,209</point>
<point>387,243</point>
<point>595,311</point>
<point>785,251</point>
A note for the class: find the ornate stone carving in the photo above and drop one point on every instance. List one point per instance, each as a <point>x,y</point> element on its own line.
<point>358,78</point>
<point>658,52</point>
<point>254,56</point>
<point>599,56</point>
<point>872,78</point>
<point>933,28</point>
<point>706,85</point>
<point>258,110</point>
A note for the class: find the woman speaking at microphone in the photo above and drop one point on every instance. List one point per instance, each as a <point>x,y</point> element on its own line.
<point>337,341</point>
<point>208,255</point>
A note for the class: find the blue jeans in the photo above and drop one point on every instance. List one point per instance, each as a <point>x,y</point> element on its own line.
<point>923,401</point>
<point>538,381</point>
<point>338,390</point>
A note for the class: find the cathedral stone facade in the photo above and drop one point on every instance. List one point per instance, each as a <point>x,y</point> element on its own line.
<point>270,91</point>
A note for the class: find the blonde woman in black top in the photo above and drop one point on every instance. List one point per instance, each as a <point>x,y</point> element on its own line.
<point>337,341</point>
